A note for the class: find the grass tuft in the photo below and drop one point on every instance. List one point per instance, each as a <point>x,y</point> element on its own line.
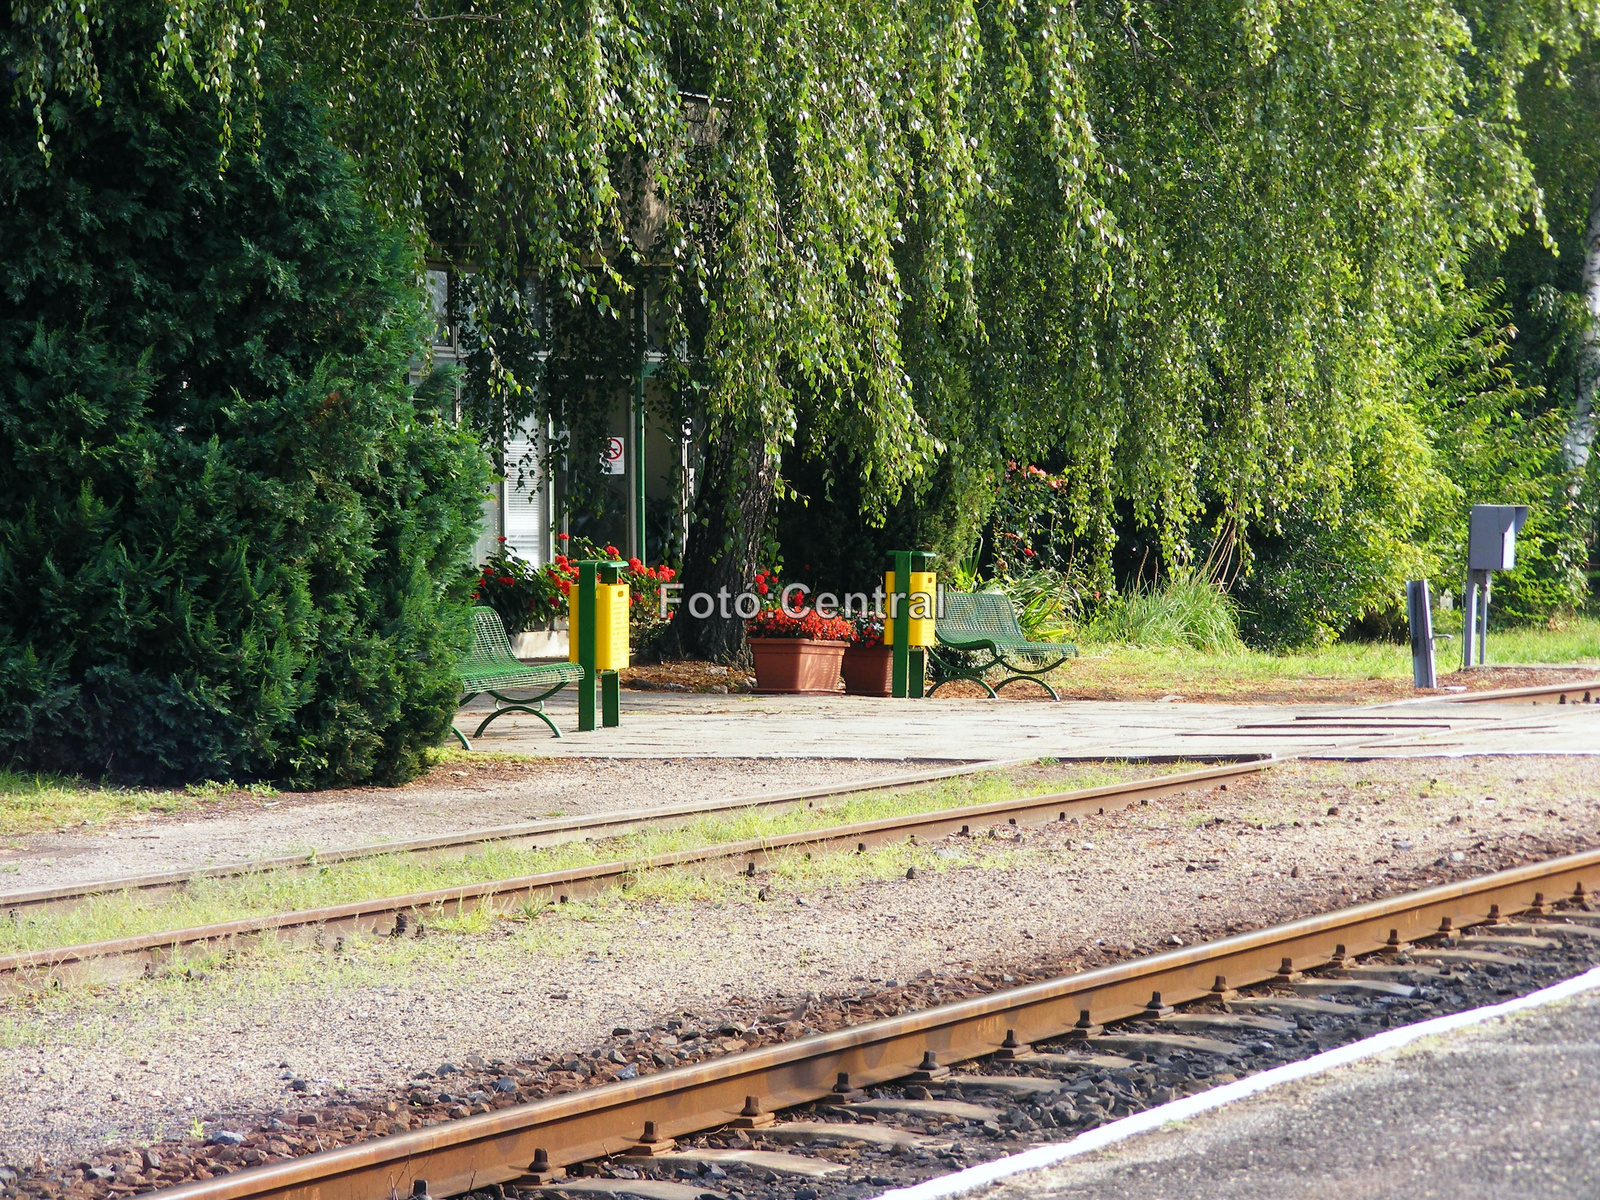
<point>211,900</point>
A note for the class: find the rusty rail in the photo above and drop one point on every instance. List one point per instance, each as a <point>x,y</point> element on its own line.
<point>123,957</point>
<point>554,831</point>
<point>1582,691</point>
<point>500,1147</point>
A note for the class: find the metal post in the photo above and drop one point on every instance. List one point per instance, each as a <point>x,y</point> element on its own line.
<point>900,650</point>
<point>610,681</point>
<point>908,677</point>
<point>586,643</point>
<point>636,521</point>
<point>1483,618</point>
<point>1419,614</point>
<point>1475,617</point>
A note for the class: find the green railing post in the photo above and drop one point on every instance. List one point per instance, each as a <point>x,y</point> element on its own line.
<point>909,670</point>
<point>586,641</point>
<point>610,681</point>
<point>591,574</point>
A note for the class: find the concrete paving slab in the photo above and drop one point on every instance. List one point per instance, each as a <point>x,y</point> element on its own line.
<point>1500,1110</point>
<point>670,725</point>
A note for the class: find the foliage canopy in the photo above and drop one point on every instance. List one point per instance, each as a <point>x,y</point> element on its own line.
<point>1184,252</point>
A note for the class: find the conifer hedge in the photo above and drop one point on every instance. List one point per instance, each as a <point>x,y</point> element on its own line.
<point>231,537</point>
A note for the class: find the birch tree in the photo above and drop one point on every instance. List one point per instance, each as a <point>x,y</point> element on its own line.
<point>1580,437</point>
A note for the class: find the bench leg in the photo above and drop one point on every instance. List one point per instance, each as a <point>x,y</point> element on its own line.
<point>1036,674</point>
<point>461,737</point>
<point>977,679</point>
<point>1026,678</point>
<point>952,671</point>
<point>521,706</point>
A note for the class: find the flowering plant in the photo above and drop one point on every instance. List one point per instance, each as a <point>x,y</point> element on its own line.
<point>644,584</point>
<point>767,586</point>
<point>867,631</point>
<point>523,595</point>
<point>775,623</point>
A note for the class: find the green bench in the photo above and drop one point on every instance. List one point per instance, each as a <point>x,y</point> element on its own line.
<point>984,623</point>
<point>490,668</point>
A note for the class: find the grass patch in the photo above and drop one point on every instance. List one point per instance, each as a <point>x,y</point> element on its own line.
<point>208,901</point>
<point>1183,670</point>
<point>456,951</point>
<point>31,803</point>
<point>44,803</point>
<point>1572,642</point>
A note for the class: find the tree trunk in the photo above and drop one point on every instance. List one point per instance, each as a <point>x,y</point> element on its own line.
<point>1580,435</point>
<point>724,541</point>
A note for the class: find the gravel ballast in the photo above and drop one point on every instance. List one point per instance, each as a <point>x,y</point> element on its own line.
<point>147,1059</point>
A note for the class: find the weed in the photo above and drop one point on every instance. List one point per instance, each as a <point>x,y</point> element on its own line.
<point>209,900</point>
<point>31,802</point>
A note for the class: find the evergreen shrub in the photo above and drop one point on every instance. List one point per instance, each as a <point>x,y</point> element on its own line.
<point>232,539</point>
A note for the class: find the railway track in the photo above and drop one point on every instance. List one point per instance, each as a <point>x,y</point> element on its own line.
<point>24,903</point>
<point>555,831</point>
<point>913,1095</point>
<point>117,958</point>
<point>397,915</point>
<point>1582,691</point>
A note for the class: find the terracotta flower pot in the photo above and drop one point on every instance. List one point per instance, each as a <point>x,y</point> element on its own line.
<point>868,670</point>
<point>797,664</point>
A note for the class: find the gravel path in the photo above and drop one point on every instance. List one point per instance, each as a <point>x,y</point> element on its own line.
<point>460,795</point>
<point>144,1059</point>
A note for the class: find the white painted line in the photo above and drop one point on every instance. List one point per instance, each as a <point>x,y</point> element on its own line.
<point>984,1174</point>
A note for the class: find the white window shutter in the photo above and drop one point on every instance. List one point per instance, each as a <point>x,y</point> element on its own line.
<point>526,516</point>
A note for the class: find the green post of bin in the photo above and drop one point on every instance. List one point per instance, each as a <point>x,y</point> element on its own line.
<point>597,629</point>
<point>908,626</point>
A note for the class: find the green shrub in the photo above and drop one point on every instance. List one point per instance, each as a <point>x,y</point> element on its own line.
<point>1186,610</point>
<point>231,544</point>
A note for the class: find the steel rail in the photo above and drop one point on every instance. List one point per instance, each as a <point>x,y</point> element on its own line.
<point>121,957</point>
<point>553,831</point>
<point>559,830</point>
<point>500,1147</point>
<point>1582,691</point>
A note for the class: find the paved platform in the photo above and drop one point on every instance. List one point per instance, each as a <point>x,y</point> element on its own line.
<point>1502,1110</point>
<point>668,725</point>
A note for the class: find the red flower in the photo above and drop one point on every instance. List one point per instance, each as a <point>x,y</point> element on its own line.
<point>563,536</point>
<point>635,565</point>
<point>507,580</point>
<point>500,539</point>
<point>613,551</point>
<point>762,588</point>
<point>565,586</point>
<point>1027,551</point>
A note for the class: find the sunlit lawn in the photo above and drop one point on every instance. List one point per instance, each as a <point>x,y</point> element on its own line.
<point>1140,670</point>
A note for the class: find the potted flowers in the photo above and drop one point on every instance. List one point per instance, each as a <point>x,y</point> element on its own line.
<point>525,596</point>
<point>868,665</point>
<point>797,653</point>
